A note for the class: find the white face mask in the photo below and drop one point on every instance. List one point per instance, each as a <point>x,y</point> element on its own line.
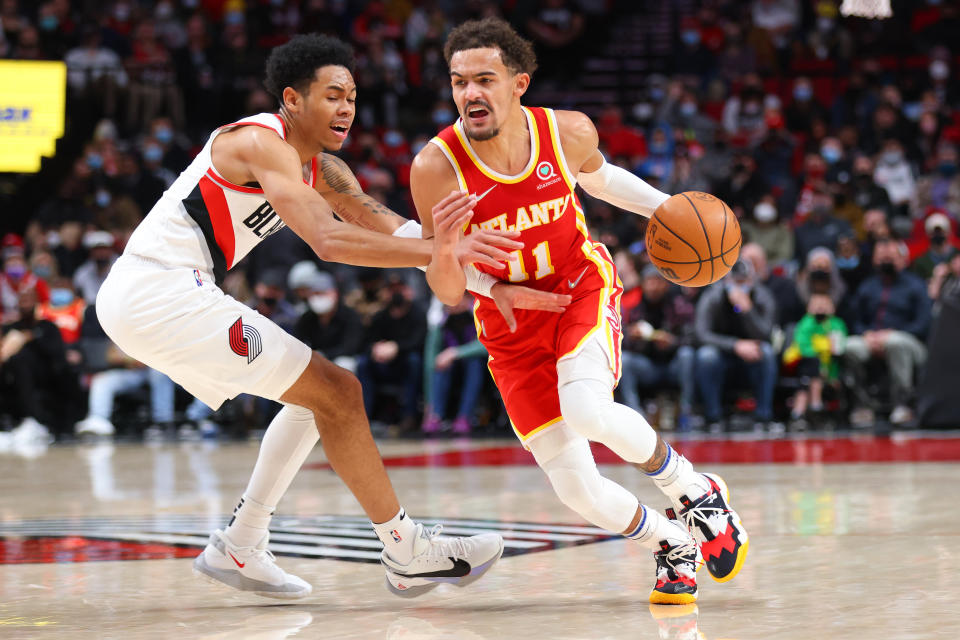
<point>321,303</point>
<point>764,212</point>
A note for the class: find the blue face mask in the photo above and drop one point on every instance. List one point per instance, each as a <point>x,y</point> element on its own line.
<point>15,271</point>
<point>442,117</point>
<point>164,135</point>
<point>43,271</point>
<point>688,109</point>
<point>690,37</point>
<point>153,153</point>
<point>49,23</point>
<point>94,161</point>
<point>656,94</point>
<point>803,93</point>
<point>103,198</point>
<point>393,139</point>
<point>848,263</point>
<point>61,297</point>
<point>831,154</point>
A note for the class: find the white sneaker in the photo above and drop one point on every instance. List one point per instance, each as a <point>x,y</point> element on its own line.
<point>901,415</point>
<point>251,569</point>
<point>456,561</point>
<point>30,431</point>
<point>94,426</point>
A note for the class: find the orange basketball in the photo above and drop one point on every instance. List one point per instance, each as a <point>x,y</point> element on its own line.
<point>693,239</point>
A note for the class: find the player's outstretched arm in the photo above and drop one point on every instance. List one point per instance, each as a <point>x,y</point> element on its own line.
<point>277,167</point>
<point>340,188</point>
<point>600,179</point>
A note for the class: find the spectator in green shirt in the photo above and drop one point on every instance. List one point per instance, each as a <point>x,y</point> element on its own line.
<point>819,339</point>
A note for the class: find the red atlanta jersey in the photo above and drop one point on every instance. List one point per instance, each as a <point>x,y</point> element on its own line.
<point>540,202</point>
<point>205,222</point>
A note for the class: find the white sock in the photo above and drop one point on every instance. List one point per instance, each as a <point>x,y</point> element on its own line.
<point>655,527</point>
<point>397,535</point>
<point>677,478</point>
<point>288,441</point>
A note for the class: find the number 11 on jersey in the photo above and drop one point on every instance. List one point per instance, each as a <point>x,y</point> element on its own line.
<point>541,253</point>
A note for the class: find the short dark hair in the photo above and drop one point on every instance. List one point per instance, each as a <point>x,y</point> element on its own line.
<point>295,63</point>
<point>495,33</point>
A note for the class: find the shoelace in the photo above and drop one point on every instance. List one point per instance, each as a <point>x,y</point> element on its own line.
<point>456,547</point>
<point>675,557</point>
<point>691,517</point>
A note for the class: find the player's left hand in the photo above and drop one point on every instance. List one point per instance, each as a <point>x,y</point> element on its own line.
<point>484,247</point>
<point>508,297</point>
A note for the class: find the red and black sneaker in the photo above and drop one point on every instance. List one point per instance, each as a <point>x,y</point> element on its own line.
<point>717,528</point>
<point>677,565</point>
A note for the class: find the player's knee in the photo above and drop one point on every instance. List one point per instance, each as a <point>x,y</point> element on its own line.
<point>576,488</point>
<point>582,405</point>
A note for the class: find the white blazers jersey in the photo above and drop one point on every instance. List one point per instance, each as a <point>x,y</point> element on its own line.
<point>205,222</point>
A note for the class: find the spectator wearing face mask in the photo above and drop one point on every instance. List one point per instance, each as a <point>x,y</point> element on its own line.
<point>174,150</point>
<point>864,192</point>
<point>941,187</point>
<point>821,276</point>
<point>269,298</point>
<point>818,343</point>
<point>804,109</point>
<point>851,266</point>
<point>765,229</point>
<point>91,274</point>
<point>783,289</point>
<point>894,174</point>
<point>64,309</point>
<point>34,373</point>
<point>734,323</point>
<point>326,326</point>
<point>820,229</point>
<point>942,245</point>
<point>891,316</point>
<point>17,278</point>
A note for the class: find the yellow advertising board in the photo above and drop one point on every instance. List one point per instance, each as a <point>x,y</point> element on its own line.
<point>32,103</point>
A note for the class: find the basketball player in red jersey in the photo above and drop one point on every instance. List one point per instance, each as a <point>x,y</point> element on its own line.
<point>517,168</point>
<point>162,305</point>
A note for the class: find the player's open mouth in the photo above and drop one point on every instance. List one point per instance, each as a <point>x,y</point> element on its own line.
<point>477,114</point>
<point>340,130</point>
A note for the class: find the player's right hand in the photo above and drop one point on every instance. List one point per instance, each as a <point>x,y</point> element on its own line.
<point>450,215</point>
<point>508,297</point>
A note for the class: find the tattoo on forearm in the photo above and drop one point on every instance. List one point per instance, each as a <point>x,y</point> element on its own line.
<point>337,174</point>
<point>656,460</point>
<point>373,205</point>
<point>340,179</point>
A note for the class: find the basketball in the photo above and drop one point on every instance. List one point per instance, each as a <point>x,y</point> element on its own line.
<point>693,239</point>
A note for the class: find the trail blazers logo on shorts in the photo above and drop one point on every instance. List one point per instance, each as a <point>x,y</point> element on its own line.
<point>245,340</point>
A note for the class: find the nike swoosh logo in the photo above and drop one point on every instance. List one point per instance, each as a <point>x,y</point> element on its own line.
<point>573,283</point>
<point>483,195</point>
<point>459,569</point>
<point>239,564</point>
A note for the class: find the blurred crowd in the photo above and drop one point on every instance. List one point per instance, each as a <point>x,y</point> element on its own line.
<point>835,141</point>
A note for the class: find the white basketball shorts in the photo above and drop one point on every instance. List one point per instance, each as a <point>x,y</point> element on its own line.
<point>176,320</point>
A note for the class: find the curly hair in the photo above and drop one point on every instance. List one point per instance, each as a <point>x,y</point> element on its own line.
<point>295,63</point>
<point>517,54</point>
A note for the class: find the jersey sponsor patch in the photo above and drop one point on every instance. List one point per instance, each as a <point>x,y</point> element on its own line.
<point>245,340</point>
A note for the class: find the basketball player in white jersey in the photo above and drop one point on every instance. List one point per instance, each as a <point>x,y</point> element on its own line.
<point>162,305</point>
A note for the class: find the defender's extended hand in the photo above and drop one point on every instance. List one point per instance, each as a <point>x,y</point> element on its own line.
<point>508,297</point>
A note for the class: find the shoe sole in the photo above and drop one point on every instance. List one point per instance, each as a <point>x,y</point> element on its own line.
<point>200,573</point>
<point>672,598</point>
<point>744,546</point>
<point>418,590</point>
